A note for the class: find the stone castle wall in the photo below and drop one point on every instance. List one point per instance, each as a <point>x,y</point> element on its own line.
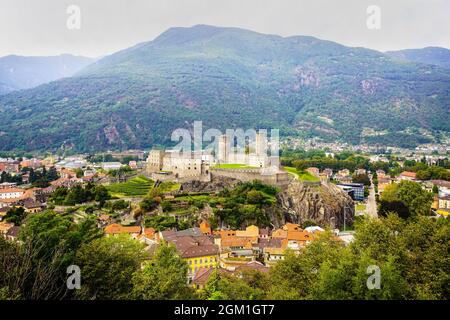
<point>248,175</point>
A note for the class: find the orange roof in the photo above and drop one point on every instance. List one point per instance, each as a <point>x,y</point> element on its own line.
<point>299,235</point>
<point>408,174</point>
<point>4,227</point>
<point>279,233</point>
<point>149,232</point>
<point>233,241</point>
<point>291,227</point>
<point>224,233</point>
<point>117,229</point>
<point>270,250</point>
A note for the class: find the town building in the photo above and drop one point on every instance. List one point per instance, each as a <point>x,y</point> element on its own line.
<point>444,202</point>
<point>355,190</point>
<point>360,171</point>
<point>116,229</point>
<point>7,185</point>
<point>381,174</point>
<point>9,166</point>
<point>443,186</point>
<point>406,175</point>
<point>383,183</point>
<point>343,172</point>
<point>111,166</point>
<point>31,163</point>
<point>11,193</point>
<point>197,249</point>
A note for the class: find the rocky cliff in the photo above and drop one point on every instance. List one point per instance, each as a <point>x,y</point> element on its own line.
<point>323,203</point>
<point>216,184</point>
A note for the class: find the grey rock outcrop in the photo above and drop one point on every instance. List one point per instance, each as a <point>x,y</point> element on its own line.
<point>323,203</point>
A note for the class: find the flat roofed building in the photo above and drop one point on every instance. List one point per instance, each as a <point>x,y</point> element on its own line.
<point>355,190</point>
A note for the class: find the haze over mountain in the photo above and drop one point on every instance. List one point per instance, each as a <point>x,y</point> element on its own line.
<point>429,55</point>
<point>230,78</point>
<point>18,72</point>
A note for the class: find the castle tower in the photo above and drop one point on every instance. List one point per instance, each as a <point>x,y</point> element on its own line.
<point>224,149</point>
<point>155,160</point>
<point>261,143</point>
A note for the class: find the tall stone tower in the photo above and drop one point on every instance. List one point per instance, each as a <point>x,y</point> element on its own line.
<point>155,161</point>
<point>261,143</point>
<point>224,149</point>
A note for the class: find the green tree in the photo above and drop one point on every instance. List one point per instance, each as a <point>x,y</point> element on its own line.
<point>164,277</point>
<point>107,266</point>
<point>417,200</point>
<point>435,189</point>
<point>255,197</point>
<point>101,194</point>
<point>362,178</point>
<point>247,285</point>
<point>15,215</point>
<point>50,232</point>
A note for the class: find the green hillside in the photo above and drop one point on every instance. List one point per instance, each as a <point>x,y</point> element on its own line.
<point>138,186</point>
<point>231,78</point>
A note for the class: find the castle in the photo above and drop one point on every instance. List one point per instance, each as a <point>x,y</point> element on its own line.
<point>246,164</point>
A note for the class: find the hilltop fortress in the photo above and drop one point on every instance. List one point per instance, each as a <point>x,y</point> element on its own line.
<point>245,164</point>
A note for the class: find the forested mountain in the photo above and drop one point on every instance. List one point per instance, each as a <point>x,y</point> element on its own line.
<point>17,72</point>
<point>229,78</point>
<point>430,55</point>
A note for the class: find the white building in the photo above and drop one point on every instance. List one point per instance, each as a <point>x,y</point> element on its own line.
<point>111,165</point>
<point>11,193</point>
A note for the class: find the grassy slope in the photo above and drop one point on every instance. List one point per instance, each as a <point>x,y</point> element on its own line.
<point>135,187</point>
<point>301,175</point>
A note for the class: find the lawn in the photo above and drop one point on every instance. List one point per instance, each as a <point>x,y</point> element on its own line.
<point>360,207</point>
<point>135,187</point>
<point>233,166</point>
<point>301,175</point>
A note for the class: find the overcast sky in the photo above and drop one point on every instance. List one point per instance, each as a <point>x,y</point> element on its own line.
<point>38,27</point>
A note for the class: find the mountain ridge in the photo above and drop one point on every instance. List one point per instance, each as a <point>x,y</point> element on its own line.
<point>229,78</point>
<point>429,55</point>
<point>25,72</point>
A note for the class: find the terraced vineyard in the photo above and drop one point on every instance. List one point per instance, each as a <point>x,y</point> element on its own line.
<point>169,186</point>
<point>135,187</point>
